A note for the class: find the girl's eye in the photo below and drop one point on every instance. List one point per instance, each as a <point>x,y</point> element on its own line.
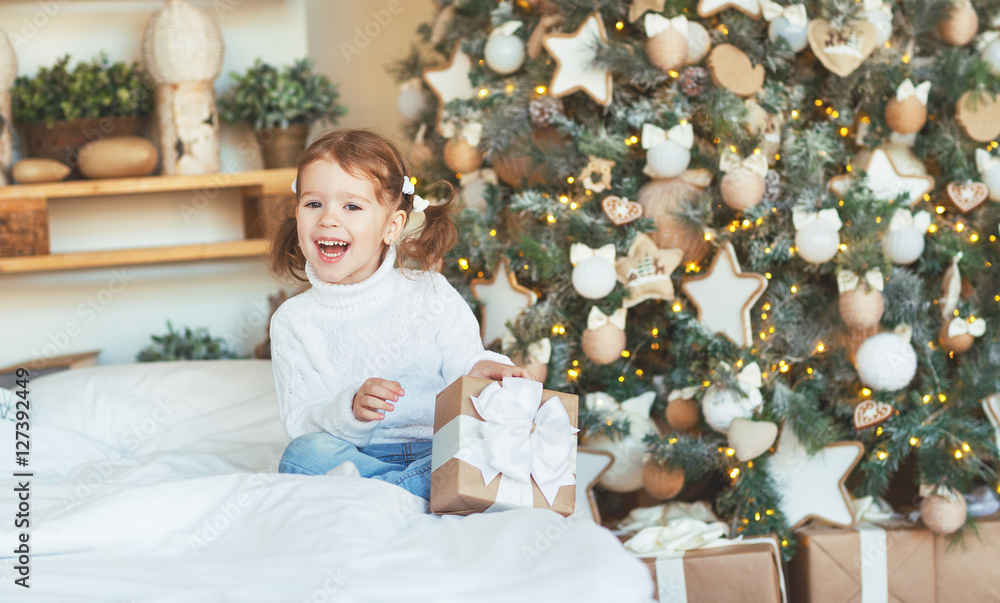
<point>352,207</point>
<point>312,204</point>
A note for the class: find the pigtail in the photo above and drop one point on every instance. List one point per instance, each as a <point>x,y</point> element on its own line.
<point>438,234</point>
<point>284,258</point>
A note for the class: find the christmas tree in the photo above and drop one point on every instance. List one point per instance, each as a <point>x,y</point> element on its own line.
<point>722,217</point>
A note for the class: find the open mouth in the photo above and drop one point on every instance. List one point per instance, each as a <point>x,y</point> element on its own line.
<point>332,250</point>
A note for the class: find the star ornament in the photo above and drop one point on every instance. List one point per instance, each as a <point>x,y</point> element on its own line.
<point>725,296</point>
<point>451,82</point>
<point>574,54</point>
<point>641,7</point>
<point>813,486</point>
<point>503,299</point>
<point>646,271</point>
<point>707,8</point>
<point>885,180</point>
<point>590,466</point>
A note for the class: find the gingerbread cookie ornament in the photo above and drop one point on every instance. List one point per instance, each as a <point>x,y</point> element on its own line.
<point>732,69</point>
<point>842,51</point>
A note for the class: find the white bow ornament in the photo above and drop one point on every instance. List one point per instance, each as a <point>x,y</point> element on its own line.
<point>870,5</point>
<point>849,281</point>
<point>903,219</point>
<point>795,14</point>
<point>960,326</point>
<point>579,252</point>
<point>749,381</point>
<point>522,441</point>
<point>540,350</point>
<point>803,214</point>
<point>907,89</point>
<point>755,162</point>
<point>682,134</point>
<point>636,409</point>
<point>686,393</point>
<point>597,319</point>
<point>655,24</point>
<point>472,131</point>
<point>507,29</point>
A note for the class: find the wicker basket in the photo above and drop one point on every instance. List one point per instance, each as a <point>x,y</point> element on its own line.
<point>280,147</point>
<point>63,139</point>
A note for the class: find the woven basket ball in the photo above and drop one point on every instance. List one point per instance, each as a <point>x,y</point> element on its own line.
<point>667,50</point>
<point>659,200</point>
<point>958,343</point>
<point>683,414</point>
<point>905,116</point>
<point>603,345</point>
<point>662,481</point>
<point>943,515</point>
<point>862,307</point>
<point>960,26</point>
<point>461,157</point>
<point>742,188</point>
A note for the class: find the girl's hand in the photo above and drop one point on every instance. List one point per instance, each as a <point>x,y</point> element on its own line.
<point>375,395</point>
<point>488,369</point>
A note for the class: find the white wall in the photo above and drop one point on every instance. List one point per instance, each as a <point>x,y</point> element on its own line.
<point>117,309</point>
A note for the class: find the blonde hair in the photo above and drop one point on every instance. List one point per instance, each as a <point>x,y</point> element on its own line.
<point>365,154</point>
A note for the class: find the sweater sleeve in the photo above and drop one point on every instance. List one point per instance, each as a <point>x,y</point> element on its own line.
<point>308,400</point>
<point>458,335</point>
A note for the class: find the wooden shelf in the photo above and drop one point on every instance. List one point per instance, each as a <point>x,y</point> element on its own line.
<point>256,182</point>
<point>132,257</point>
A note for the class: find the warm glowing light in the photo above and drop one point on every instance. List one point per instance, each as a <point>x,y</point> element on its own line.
<point>570,179</point>
<point>673,74</point>
<point>965,446</point>
<point>768,275</point>
<point>734,473</point>
<point>558,329</point>
<point>927,399</point>
<point>463,263</point>
<point>819,103</point>
<point>483,92</point>
<point>634,140</point>
<point>958,454</point>
<point>882,455</point>
<point>939,209</point>
<point>942,397</point>
<point>973,237</point>
<point>493,233</point>
<point>573,373</point>
<point>621,379</point>
<point>914,442</point>
<point>960,227</point>
<point>933,228</point>
<point>625,354</point>
<point>706,383</point>
<point>619,26</point>
<point>551,219</point>
<point>794,289</point>
<point>540,89</point>
<point>809,370</point>
<point>820,347</point>
<point>654,332</point>
<point>730,452</point>
<point>844,131</point>
<point>676,307</point>
<point>843,246</point>
<point>573,205</point>
<point>866,392</point>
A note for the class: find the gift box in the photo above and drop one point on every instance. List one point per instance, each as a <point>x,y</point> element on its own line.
<point>969,570</point>
<point>501,446</point>
<point>744,571</point>
<point>886,562</point>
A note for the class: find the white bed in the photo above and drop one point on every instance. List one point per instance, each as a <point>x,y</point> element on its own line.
<point>157,482</point>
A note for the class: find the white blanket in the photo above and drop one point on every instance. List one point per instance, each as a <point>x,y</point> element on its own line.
<point>156,482</point>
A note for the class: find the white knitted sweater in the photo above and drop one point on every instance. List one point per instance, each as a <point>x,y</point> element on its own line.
<point>414,328</point>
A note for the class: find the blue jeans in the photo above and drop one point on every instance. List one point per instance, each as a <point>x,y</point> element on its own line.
<point>407,465</point>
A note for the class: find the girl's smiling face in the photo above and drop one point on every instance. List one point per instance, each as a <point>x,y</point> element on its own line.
<point>342,227</point>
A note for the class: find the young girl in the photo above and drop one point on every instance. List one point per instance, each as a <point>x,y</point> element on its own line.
<point>360,357</point>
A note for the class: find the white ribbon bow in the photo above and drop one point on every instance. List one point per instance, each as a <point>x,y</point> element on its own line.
<point>682,134</point>
<point>521,439</point>
<point>875,5</point>
<point>597,319</point>
<point>795,14</point>
<point>579,252</point>
<point>755,162</point>
<point>507,29</point>
<point>636,410</point>
<point>420,204</point>
<point>655,23</point>
<point>683,394</point>
<point>849,281</point>
<point>986,161</point>
<point>749,377</point>
<point>540,350</point>
<point>472,131</point>
<point>872,509</point>
<point>959,326</point>
<point>803,214</point>
<point>484,174</point>
<point>407,186</point>
<point>677,536</point>
<point>904,219</point>
<point>907,89</point>
<point>295,186</point>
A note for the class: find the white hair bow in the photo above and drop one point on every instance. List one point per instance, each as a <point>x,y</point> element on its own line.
<point>295,186</point>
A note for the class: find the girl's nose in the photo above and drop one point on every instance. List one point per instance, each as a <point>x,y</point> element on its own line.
<point>328,219</point>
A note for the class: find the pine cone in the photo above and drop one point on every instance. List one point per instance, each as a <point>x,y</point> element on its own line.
<point>543,109</point>
<point>694,80</point>
<point>773,186</point>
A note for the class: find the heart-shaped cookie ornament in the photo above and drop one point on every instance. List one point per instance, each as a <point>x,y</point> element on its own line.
<point>870,413</point>
<point>842,51</point>
<point>732,69</point>
<point>979,116</point>
<point>751,439</point>
<point>620,211</point>
<point>967,196</point>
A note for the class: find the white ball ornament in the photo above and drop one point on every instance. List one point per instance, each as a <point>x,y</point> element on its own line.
<point>904,246</point>
<point>886,362</point>
<point>667,160</point>
<point>699,43</point>
<point>594,277</point>
<point>412,100</point>
<point>991,54</point>
<point>796,36</point>
<point>721,405</point>
<point>991,178</point>
<point>504,51</point>
<point>882,20</point>
<point>818,241</point>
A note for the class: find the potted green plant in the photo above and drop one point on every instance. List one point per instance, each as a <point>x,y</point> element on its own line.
<point>280,104</point>
<point>61,108</point>
<point>186,345</point>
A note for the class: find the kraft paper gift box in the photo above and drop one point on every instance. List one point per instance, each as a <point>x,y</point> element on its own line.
<point>745,572</point>
<point>892,562</point>
<point>969,570</point>
<point>521,454</point>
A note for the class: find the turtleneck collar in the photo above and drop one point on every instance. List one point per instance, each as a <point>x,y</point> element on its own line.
<point>357,299</point>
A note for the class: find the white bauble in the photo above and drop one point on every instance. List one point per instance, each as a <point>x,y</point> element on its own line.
<point>793,34</point>
<point>698,43</point>
<point>886,362</point>
<point>721,405</point>
<point>594,277</point>
<point>411,102</point>
<point>817,241</point>
<point>992,181</point>
<point>903,246</point>
<point>667,160</point>
<point>504,54</point>
<point>991,54</point>
<point>882,22</point>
